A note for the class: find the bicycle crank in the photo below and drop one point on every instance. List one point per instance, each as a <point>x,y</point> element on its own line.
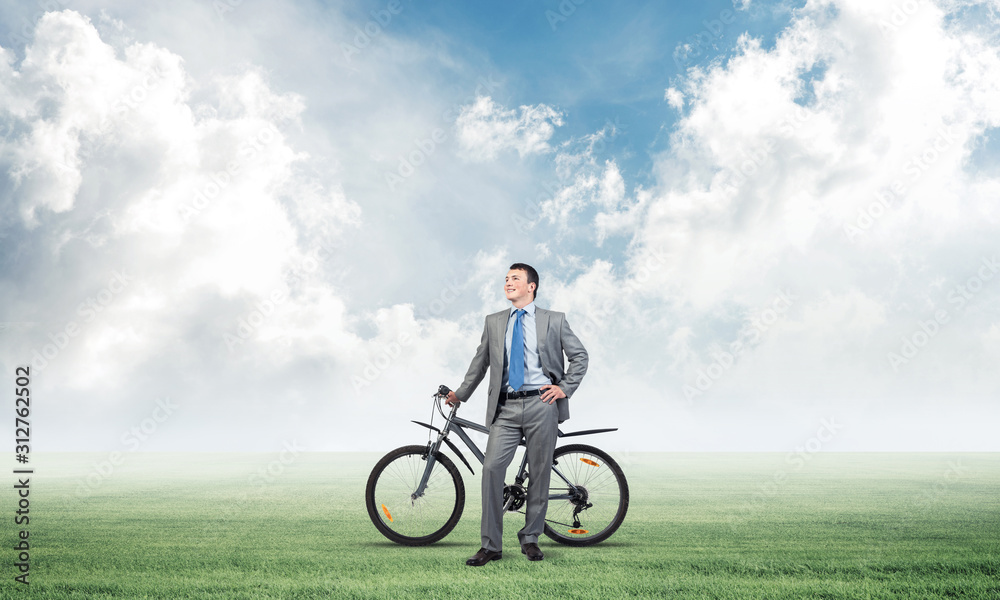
<point>514,497</point>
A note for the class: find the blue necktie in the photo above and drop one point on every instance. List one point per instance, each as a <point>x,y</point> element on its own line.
<point>516,374</point>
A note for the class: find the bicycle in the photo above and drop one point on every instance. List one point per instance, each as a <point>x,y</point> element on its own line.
<point>415,494</point>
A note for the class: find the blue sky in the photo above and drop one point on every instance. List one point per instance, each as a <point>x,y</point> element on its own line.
<point>761,217</point>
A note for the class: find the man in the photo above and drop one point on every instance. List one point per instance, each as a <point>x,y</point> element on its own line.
<point>528,395</point>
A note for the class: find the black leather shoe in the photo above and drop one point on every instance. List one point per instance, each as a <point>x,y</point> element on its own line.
<point>532,551</point>
<point>483,556</point>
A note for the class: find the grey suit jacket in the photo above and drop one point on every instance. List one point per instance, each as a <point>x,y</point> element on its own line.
<point>555,338</point>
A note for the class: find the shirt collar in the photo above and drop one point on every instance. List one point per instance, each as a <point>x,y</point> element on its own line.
<point>529,309</point>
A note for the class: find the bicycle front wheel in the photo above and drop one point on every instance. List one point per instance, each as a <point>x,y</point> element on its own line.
<point>393,507</point>
<point>588,496</point>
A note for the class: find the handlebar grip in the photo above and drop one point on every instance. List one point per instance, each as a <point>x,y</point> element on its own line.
<point>443,390</point>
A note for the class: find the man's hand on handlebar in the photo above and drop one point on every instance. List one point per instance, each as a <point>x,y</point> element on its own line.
<point>452,399</point>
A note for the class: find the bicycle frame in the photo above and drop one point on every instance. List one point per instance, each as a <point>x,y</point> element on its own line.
<point>454,423</point>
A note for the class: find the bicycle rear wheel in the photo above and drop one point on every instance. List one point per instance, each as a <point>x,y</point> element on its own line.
<point>403,518</point>
<point>596,505</point>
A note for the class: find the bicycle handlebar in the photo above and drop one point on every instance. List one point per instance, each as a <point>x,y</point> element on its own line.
<point>442,392</point>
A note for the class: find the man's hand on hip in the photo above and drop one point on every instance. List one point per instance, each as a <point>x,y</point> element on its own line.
<point>551,393</point>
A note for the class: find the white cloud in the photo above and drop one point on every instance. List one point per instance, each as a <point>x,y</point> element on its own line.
<point>674,98</point>
<point>593,197</point>
<point>200,204</point>
<point>624,222</point>
<point>485,129</point>
<point>778,153</point>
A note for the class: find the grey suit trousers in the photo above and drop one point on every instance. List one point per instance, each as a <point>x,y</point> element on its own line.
<point>538,421</point>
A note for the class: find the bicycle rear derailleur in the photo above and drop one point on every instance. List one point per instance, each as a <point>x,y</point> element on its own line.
<point>581,502</point>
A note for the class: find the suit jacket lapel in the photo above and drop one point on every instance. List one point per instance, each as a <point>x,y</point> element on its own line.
<point>541,327</point>
<point>499,331</point>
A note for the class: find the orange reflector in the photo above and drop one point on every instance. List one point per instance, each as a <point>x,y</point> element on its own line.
<point>589,462</point>
<point>388,515</point>
<point>578,531</point>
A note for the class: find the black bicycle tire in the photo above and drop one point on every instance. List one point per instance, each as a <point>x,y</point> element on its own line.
<point>395,536</point>
<point>623,504</point>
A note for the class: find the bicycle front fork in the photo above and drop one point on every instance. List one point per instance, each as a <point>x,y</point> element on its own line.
<point>432,450</point>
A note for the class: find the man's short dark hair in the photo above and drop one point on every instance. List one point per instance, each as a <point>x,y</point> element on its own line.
<point>532,275</point>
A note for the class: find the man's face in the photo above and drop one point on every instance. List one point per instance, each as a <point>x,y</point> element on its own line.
<point>517,288</point>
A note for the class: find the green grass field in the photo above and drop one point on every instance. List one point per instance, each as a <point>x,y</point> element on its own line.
<point>700,526</point>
